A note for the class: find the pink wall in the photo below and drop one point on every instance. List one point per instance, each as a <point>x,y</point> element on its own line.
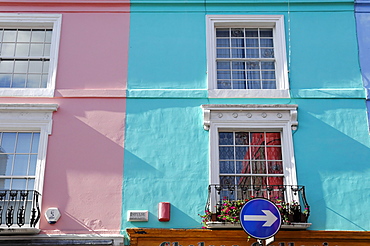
<point>84,166</point>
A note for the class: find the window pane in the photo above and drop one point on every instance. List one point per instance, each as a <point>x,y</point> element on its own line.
<point>266,32</point>
<point>276,181</point>
<point>245,181</point>
<point>222,32</point>
<point>266,42</point>
<point>237,32</point>
<point>242,167</point>
<point>8,49</point>
<point>227,180</point>
<point>237,42</point>
<point>19,184</point>
<point>31,184</point>
<point>275,167</point>
<point>259,181</point>
<point>48,36</point>
<point>253,75</point>
<point>19,81</point>
<point>9,35</point>
<point>238,53</point>
<point>38,36</point>
<point>6,66</point>
<point>267,53</point>
<point>273,138</point>
<point>223,65</point>
<point>238,75</point>
<point>254,85</point>
<point>36,49</point>
<point>226,153</point>
<point>253,53</point>
<point>7,164</point>
<point>227,167</point>
<point>268,75</point>
<point>24,142</point>
<point>238,65</point>
<point>223,75</point>
<point>20,165</point>
<point>35,67</point>
<point>44,81</point>
<point>35,142</point>
<point>252,43</point>
<point>24,36</point>
<point>47,50</point>
<point>241,138</point>
<point>223,53</point>
<point>33,81</point>
<point>225,138</point>
<point>253,65</point>
<point>273,153</point>
<point>5,184</point>
<point>268,65</point>
<point>8,142</point>
<point>224,84</point>
<point>257,138</point>
<point>241,153</point>
<point>222,42</point>
<point>251,32</point>
<point>45,67</point>
<point>22,49</point>
<point>239,84</point>
<point>20,66</point>
<point>269,84</point>
<point>32,167</point>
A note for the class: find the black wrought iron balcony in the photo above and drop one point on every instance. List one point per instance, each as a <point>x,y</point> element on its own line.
<point>19,208</point>
<point>225,201</point>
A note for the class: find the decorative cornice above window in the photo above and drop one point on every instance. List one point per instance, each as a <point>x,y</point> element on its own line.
<point>27,116</point>
<point>249,113</point>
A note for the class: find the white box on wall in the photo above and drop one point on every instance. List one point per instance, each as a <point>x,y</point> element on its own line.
<point>137,215</point>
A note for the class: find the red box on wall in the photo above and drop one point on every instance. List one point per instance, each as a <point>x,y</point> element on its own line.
<point>164,211</point>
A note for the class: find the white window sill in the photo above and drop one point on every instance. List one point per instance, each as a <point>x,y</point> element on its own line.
<point>29,92</point>
<point>248,93</point>
<point>19,231</point>
<point>228,225</point>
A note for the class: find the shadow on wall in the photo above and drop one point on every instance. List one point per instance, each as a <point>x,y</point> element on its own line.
<point>83,175</point>
<point>145,186</point>
<point>332,163</point>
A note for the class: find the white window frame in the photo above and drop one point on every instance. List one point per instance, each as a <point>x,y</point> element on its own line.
<point>251,117</point>
<point>30,117</point>
<point>53,21</point>
<point>271,21</point>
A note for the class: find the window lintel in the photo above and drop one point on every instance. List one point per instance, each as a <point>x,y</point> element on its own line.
<point>249,113</point>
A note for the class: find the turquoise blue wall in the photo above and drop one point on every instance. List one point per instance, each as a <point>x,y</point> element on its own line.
<point>362,13</point>
<point>166,148</point>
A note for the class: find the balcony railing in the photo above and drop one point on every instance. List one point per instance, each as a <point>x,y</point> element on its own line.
<point>19,208</point>
<point>225,201</point>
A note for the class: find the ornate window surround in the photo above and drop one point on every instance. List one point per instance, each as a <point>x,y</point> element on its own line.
<point>29,117</point>
<point>274,21</point>
<point>26,20</point>
<point>278,117</point>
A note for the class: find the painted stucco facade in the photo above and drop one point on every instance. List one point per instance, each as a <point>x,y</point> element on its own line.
<point>166,148</point>
<point>362,10</point>
<point>84,161</point>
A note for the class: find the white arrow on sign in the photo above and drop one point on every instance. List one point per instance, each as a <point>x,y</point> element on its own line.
<point>269,217</point>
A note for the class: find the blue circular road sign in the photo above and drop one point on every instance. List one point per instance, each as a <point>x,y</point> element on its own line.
<point>260,218</point>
